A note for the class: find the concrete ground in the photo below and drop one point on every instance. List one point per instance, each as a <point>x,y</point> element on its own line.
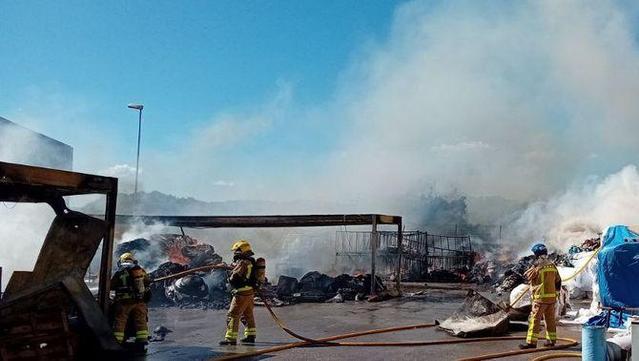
<point>197,332</point>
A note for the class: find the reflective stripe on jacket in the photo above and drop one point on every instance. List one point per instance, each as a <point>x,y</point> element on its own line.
<point>545,281</point>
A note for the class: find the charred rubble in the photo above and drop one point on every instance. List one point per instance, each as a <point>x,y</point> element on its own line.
<point>487,313</point>
<point>204,290</point>
<point>209,289</point>
<point>318,287</point>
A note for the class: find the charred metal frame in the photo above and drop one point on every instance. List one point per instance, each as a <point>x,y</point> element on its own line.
<point>29,184</point>
<point>419,250</point>
<point>282,221</point>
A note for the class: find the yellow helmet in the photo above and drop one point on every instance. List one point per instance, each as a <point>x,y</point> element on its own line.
<point>242,246</point>
<point>127,256</point>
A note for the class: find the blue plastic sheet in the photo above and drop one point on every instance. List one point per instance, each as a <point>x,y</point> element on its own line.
<point>617,319</point>
<point>618,268</point>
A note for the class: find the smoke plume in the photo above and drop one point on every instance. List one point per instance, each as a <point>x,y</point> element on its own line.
<point>579,213</point>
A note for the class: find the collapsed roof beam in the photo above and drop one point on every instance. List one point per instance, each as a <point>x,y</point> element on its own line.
<point>270,221</point>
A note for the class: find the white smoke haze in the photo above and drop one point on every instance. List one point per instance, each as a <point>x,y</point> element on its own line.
<point>512,99</point>
<point>125,175</point>
<point>583,211</point>
<point>22,232</point>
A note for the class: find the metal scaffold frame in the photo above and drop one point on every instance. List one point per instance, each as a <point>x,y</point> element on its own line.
<point>420,251</point>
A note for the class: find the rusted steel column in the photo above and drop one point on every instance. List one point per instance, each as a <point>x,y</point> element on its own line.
<point>374,236</point>
<point>106,261</point>
<point>400,239</point>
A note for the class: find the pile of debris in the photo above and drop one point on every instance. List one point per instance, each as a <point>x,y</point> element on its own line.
<point>508,297</point>
<point>514,274</point>
<point>206,290</point>
<point>318,287</point>
<point>477,317</point>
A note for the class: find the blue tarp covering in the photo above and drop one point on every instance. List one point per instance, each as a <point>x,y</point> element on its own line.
<point>618,269</point>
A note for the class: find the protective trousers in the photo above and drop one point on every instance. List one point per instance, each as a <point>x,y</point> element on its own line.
<point>241,309</point>
<point>139,312</point>
<point>539,310</point>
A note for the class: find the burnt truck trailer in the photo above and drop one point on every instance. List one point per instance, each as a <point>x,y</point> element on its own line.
<point>49,312</point>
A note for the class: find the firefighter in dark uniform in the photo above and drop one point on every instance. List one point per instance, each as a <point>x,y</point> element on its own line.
<point>131,285</point>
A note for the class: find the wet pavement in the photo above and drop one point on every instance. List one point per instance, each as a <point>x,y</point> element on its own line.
<point>197,332</point>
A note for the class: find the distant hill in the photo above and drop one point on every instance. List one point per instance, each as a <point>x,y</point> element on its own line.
<point>437,214</point>
<point>158,203</point>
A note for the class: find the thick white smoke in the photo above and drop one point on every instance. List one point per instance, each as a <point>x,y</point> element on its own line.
<point>581,212</point>
<point>22,232</point>
<point>515,99</point>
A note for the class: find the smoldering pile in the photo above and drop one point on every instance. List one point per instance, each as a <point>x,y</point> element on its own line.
<point>168,254</point>
<point>318,287</point>
<point>506,297</point>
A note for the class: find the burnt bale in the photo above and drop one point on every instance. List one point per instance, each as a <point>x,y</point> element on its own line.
<point>166,269</point>
<point>315,281</point>
<point>201,255</point>
<point>346,281</point>
<point>286,287</point>
<point>136,245</point>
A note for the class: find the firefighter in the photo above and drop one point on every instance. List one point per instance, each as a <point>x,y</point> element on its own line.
<point>545,284</point>
<point>131,285</point>
<point>243,282</point>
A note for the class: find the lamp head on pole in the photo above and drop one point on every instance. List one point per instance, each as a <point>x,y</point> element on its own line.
<point>136,106</point>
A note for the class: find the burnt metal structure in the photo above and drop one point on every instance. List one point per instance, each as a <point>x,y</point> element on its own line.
<point>420,251</point>
<point>37,305</point>
<point>286,221</point>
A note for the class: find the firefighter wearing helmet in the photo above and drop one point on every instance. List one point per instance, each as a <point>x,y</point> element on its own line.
<point>131,285</point>
<point>245,277</point>
<point>545,284</point>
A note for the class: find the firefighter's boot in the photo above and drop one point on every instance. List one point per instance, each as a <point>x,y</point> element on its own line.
<point>248,339</point>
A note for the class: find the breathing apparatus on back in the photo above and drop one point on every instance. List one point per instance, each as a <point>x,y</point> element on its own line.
<point>242,250</point>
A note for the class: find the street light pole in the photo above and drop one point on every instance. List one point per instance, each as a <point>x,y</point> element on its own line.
<point>139,108</point>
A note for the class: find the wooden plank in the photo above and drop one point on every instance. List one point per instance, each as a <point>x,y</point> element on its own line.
<point>18,174</point>
<point>91,313</point>
<point>106,262</point>
<point>19,281</point>
<point>318,220</point>
<point>68,248</point>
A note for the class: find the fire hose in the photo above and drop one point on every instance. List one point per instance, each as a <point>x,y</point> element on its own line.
<point>192,270</point>
<point>328,341</point>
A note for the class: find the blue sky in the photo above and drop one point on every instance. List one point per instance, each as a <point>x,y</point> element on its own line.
<point>330,99</point>
<point>187,62</point>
